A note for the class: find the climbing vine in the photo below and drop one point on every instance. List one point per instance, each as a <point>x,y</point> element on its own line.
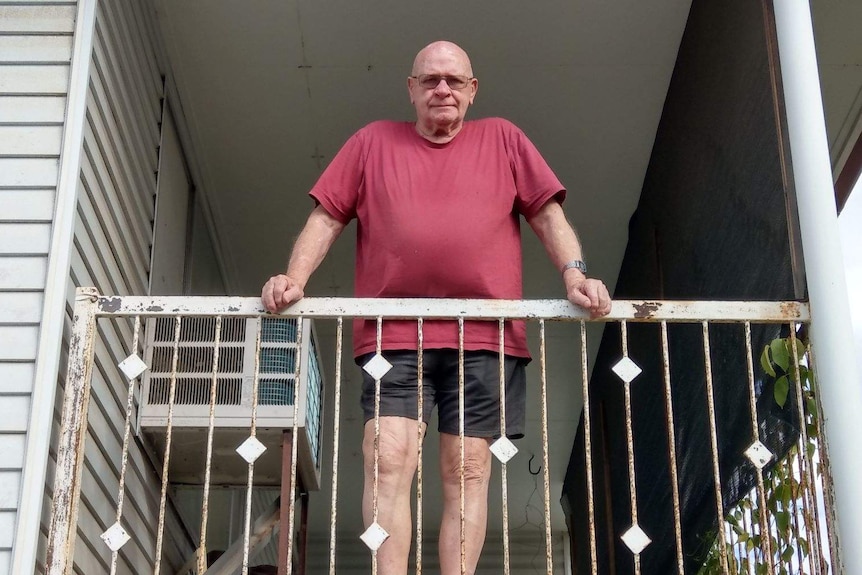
<point>790,502</point>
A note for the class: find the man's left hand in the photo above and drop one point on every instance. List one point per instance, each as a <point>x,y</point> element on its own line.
<point>590,294</point>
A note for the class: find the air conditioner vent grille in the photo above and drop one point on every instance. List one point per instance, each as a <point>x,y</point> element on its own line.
<point>197,359</point>
<point>195,391</point>
<point>279,330</point>
<point>277,360</point>
<point>275,392</point>
<point>201,329</point>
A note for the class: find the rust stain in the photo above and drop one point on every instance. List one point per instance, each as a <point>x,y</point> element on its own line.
<point>111,304</point>
<point>646,310</point>
<point>789,309</point>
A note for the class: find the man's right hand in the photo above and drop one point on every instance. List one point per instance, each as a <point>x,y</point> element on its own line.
<point>279,292</point>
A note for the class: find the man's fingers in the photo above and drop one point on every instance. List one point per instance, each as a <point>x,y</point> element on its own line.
<point>278,292</point>
<point>592,295</point>
<point>578,297</point>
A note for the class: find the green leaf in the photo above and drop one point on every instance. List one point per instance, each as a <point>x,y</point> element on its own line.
<point>780,355</point>
<point>782,519</point>
<point>765,362</point>
<point>782,387</point>
<point>800,350</point>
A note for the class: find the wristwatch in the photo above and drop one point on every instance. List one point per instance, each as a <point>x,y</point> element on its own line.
<point>575,264</point>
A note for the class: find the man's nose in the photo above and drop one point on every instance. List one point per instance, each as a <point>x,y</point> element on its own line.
<point>442,88</point>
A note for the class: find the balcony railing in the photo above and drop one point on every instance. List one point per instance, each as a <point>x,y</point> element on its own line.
<point>771,491</point>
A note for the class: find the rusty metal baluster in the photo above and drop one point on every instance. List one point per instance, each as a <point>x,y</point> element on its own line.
<point>376,441</point>
<point>420,435</point>
<point>254,389</point>
<point>798,515</point>
<point>297,377</point>
<point>713,437</point>
<point>127,427</point>
<point>588,449</point>
<point>166,463</point>
<point>671,448</point>
<point>807,469</point>
<point>339,336</point>
<point>202,549</point>
<point>630,445</point>
<point>765,540</point>
<point>501,332</point>
<point>549,559</point>
<point>744,554</point>
<point>461,502</point>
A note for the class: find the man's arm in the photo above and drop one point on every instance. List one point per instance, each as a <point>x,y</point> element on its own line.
<point>313,243</point>
<point>561,242</point>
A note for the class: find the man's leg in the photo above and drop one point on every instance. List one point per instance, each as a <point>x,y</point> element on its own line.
<point>396,467</point>
<point>477,475</point>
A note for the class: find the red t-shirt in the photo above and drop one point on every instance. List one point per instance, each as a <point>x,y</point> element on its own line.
<point>438,220</point>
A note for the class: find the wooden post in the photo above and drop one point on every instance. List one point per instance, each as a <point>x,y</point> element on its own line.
<point>73,432</point>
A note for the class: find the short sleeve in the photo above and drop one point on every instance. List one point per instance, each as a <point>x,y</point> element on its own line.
<point>535,182</point>
<point>338,187</point>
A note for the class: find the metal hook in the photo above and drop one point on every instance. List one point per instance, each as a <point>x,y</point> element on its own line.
<point>530,466</point>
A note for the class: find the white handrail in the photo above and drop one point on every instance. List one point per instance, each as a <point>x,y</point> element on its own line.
<point>431,308</point>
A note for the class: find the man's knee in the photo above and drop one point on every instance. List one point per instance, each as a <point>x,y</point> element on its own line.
<point>396,453</point>
<point>477,464</point>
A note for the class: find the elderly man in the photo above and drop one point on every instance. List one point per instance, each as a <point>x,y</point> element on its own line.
<point>438,203</point>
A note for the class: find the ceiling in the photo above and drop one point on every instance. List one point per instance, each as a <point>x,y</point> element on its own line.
<point>271,90</point>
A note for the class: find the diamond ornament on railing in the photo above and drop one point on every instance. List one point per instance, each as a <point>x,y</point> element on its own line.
<point>251,449</point>
<point>377,366</point>
<point>374,536</point>
<point>626,369</point>
<point>132,366</point>
<point>503,449</point>
<point>635,539</point>
<point>759,454</point>
<point>115,537</point>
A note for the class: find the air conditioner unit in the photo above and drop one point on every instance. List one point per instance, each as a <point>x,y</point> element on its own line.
<point>277,389</point>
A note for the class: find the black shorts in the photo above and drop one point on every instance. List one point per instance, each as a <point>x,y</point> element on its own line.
<point>398,390</point>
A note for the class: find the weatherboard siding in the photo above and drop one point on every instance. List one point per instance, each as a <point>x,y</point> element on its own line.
<point>35,55</point>
<point>110,250</point>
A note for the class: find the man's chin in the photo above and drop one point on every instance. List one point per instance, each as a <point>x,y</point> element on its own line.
<point>445,118</point>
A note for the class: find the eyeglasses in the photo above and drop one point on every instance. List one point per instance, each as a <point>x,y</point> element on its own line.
<point>431,81</point>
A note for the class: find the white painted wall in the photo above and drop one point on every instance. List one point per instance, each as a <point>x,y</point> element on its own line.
<point>111,250</point>
<point>112,213</point>
<point>35,54</point>
<point>171,233</point>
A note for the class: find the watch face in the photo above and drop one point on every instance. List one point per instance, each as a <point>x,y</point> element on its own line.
<point>578,265</point>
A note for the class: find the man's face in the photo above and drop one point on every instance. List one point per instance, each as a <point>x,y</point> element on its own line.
<point>441,106</point>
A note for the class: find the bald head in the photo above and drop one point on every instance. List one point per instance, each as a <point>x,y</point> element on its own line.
<point>442,49</point>
<point>441,89</point>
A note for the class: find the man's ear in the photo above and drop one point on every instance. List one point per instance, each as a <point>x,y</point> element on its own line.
<point>474,87</point>
<point>410,81</point>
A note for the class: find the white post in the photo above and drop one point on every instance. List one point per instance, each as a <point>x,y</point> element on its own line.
<point>831,330</point>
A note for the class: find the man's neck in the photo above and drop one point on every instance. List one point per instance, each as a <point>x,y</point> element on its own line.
<point>439,134</point>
